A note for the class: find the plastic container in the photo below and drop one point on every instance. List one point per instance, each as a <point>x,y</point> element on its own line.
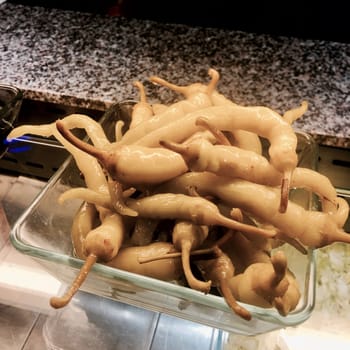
<point>43,231</point>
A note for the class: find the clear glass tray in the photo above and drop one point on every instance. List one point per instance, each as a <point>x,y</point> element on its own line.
<point>43,232</point>
<point>10,104</point>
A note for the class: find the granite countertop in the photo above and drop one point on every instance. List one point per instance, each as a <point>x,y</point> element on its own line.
<point>90,60</point>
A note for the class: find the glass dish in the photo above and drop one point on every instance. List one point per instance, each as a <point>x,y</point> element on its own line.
<point>43,232</point>
<point>10,104</point>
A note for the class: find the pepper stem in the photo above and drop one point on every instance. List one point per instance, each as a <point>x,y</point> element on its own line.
<point>59,302</point>
<point>232,302</point>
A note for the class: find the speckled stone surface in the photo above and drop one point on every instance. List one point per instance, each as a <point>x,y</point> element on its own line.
<point>91,61</point>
